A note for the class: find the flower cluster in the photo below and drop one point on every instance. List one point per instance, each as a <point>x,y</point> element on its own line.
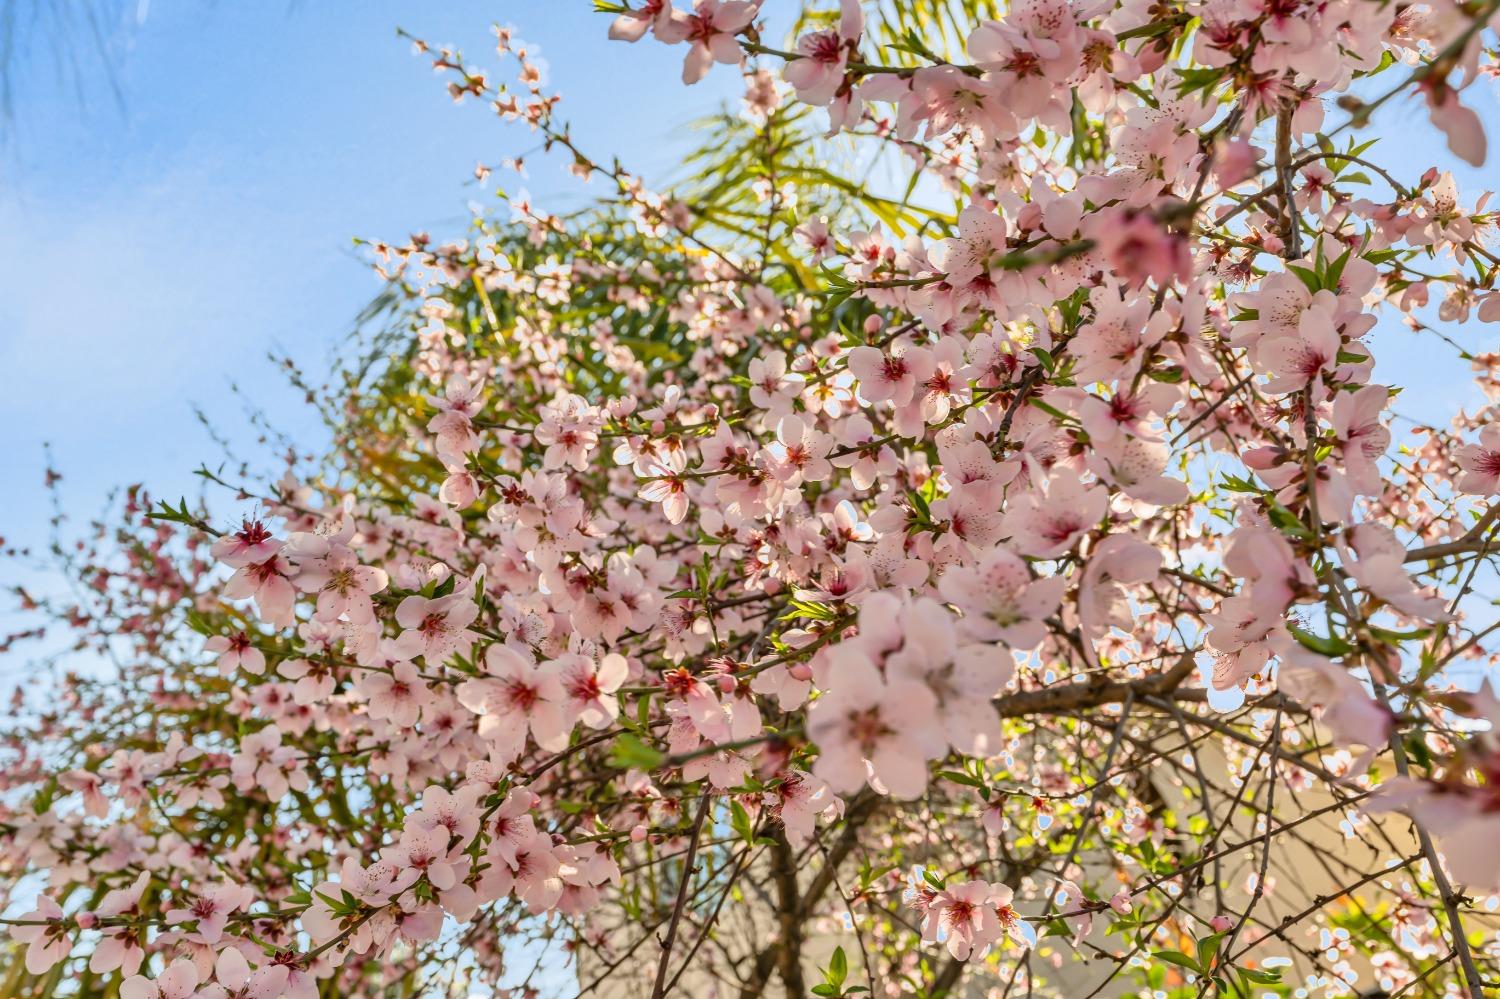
<point>751,545</point>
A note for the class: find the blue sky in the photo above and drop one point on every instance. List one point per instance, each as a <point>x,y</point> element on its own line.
<point>159,246</point>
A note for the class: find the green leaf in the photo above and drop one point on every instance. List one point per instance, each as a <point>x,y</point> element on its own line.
<point>1178,958</point>
<point>739,821</point>
<point>1335,271</point>
<point>1387,635</point>
<point>1051,411</point>
<point>1207,947</point>
<point>630,753</point>
<point>838,968</point>
<point>1287,523</point>
<point>967,780</point>
<point>1236,484</point>
<point>199,623</point>
<point>1330,646</point>
<point>1309,278</point>
<point>42,803</point>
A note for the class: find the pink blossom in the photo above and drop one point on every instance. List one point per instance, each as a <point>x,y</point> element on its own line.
<point>654,15</point>
<point>1000,599</point>
<point>589,687</point>
<point>1336,698</point>
<point>178,981</point>
<point>252,544</point>
<point>236,979</point>
<point>819,73</point>
<point>270,585</point>
<point>397,696</point>
<point>120,949</point>
<point>1480,463</point>
<point>236,651</point>
<point>709,32</point>
<point>436,628</point>
<point>515,696</point>
<point>210,911</point>
<point>892,375</point>
<point>1045,524</point>
<point>332,571</point>
<point>867,728</point>
<point>48,944</point>
<point>87,784</point>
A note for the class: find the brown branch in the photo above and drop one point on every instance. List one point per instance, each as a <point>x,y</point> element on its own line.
<point>660,989</point>
<point>1073,696</point>
<point>788,914</point>
<point>1292,224</point>
<point>860,811</point>
<point>1472,540</point>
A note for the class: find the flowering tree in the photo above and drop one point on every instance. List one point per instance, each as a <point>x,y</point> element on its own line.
<point>1001,579</point>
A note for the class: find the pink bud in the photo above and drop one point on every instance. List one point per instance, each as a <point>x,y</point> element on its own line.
<point>1220,924</point>
<point>638,834</point>
<point>873,324</point>
<point>800,671</point>
<point>1261,458</point>
<point>1414,296</point>
<point>726,684</point>
<point>657,427</point>
<point>87,920</point>
<point>1236,162</point>
<point>1030,217</point>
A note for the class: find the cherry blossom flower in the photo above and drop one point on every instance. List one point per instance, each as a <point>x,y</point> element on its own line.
<point>1336,697</point>
<point>1000,599</point>
<point>236,651</point>
<point>397,696</point>
<point>589,688</point>
<point>656,16</point>
<point>436,628</point>
<point>87,784</point>
<point>866,727</point>
<point>210,911</point>
<point>332,571</point>
<point>178,981</point>
<point>517,696</point>
<point>1045,524</point>
<point>891,375</point>
<point>120,949</point>
<point>709,32</point>
<point>1480,463</point>
<point>963,914</point>
<point>820,72</point>
<point>270,585</point>
<point>235,979</point>
<point>48,944</point>
<point>252,544</point>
